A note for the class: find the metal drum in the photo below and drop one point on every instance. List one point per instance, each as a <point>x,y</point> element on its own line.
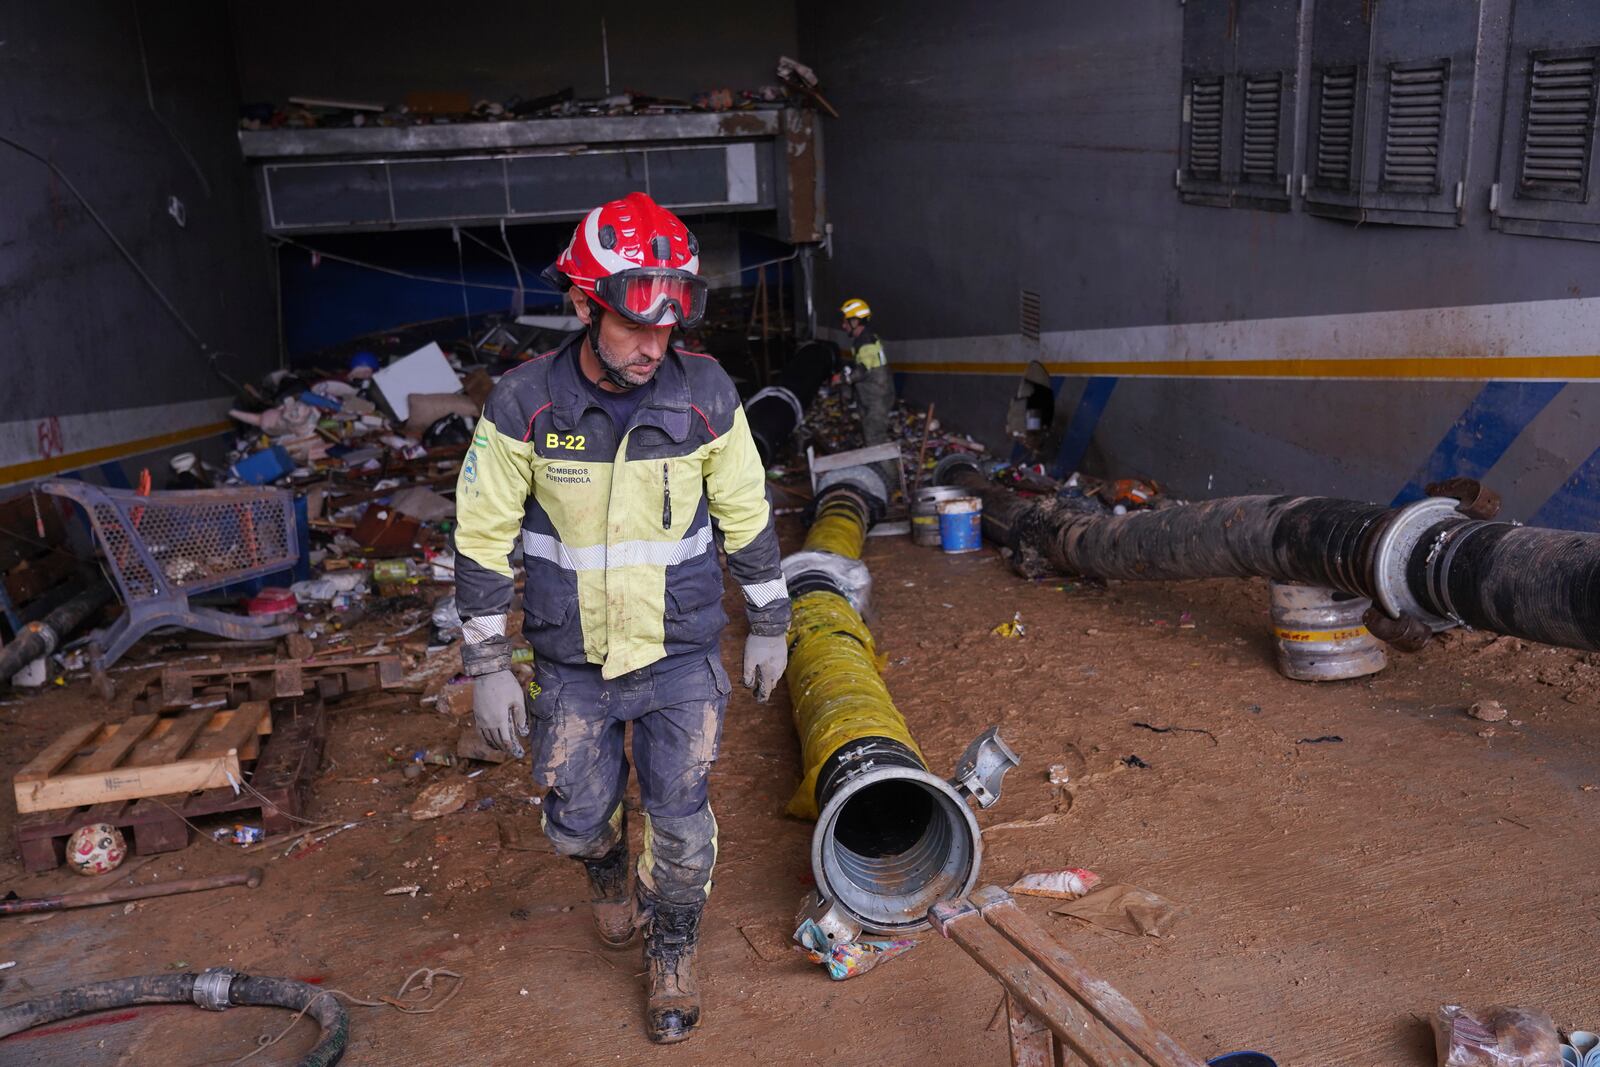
<point>1319,635</point>
<point>925,513</point>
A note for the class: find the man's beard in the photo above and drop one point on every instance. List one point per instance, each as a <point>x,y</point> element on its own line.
<point>617,371</point>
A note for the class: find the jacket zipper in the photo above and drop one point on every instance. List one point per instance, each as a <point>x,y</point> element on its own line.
<point>666,499</point>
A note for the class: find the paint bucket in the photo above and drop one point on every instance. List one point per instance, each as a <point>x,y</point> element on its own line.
<point>925,513</point>
<point>1319,635</point>
<point>961,524</point>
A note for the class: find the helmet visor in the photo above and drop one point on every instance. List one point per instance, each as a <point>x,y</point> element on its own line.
<point>655,296</point>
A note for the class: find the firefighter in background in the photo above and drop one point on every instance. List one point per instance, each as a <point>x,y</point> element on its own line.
<point>868,372</point>
<point>620,463</point>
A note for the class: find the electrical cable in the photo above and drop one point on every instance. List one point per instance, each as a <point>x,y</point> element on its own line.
<point>211,354</point>
<point>350,261</point>
<point>150,97</point>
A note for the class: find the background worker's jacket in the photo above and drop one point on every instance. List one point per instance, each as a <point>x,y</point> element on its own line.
<point>869,351</point>
<point>616,534</point>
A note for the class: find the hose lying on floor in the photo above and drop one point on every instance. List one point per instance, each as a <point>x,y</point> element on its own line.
<point>44,636</point>
<point>215,990</point>
<point>1426,566</point>
<point>892,838</point>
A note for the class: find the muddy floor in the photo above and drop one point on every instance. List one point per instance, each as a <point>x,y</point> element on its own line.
<point>1349,856</point>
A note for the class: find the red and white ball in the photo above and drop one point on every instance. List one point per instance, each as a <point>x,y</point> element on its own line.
<point>96,849</point>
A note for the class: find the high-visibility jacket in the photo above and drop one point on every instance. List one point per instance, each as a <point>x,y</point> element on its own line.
<point>869,351</point>
<point>616,530</point>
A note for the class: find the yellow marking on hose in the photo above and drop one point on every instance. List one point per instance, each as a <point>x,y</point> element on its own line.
<point>1321,635</point>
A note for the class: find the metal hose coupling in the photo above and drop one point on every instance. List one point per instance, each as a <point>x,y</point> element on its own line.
<point>212,986</point>
<point>893,838</point>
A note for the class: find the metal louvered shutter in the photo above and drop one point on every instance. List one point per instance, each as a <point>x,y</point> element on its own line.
<point>1558,126</point>
<point>1336,128</point>
<point>1413,125</point>
<point>1028,314</point>
<point>1205,129</point>
<point>1263,104</point>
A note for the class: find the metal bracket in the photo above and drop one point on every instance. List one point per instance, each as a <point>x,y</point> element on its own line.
<point>211,988</point>
<point>834,923</point>
<point>982,767</point>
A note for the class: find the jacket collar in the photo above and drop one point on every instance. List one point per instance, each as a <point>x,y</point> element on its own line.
<point>666,408</point>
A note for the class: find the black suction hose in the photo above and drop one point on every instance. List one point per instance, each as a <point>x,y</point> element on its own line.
<point>776,411</point>
<point>180,989</point>
<point>1426,565</point>
<point>43,637</point>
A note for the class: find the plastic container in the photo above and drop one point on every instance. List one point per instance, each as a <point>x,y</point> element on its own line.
<point>961,524</point>
<point>925,513</point>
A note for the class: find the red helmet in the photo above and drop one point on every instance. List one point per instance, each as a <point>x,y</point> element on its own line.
<point>638,259</point>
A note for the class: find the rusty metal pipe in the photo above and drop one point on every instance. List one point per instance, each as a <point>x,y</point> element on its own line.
<point>60,901</point>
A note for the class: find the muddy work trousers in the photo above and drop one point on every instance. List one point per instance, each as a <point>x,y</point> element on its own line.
<point>875,397</point>
<point>579,719</point>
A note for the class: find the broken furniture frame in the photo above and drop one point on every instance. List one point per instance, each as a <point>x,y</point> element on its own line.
<point>1058,1012</point>
<point>163,548</point>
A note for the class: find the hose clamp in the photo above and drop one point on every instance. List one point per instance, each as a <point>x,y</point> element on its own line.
<point>1392,554</point>
<point>983,765</point>
<point>212,986</point>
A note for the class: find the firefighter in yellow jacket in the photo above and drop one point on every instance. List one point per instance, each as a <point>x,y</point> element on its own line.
<point>608,461</point>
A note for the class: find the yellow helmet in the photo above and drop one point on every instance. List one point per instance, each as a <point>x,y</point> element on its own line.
<point>855,308</point>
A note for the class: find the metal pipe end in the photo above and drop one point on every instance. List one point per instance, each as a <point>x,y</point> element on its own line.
<point>890,843</point>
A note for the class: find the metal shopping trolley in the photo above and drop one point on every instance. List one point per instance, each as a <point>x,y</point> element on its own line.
<point>166,547</point>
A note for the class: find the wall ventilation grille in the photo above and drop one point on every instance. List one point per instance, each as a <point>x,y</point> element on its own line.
<point>1413,126</point>
<point>1030,314</point>
<point>1336,128</point>
<point>1557,133</point>
<point>1263,104</point>
<point>1205,129</point>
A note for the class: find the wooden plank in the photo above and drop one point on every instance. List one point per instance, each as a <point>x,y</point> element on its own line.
<point>1032,1043</point>
<point>1120,1015</point>
<point>56,754</point>
<point>1070,1021</point>
<point>127,783</point>
<point>174,741</point>
<point>117,747</point>
<point>239,728</point>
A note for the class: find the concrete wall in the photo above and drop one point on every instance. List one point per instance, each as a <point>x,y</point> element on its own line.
<point>1032,145</point>
<point>496,49</point>
<point>95,368</point>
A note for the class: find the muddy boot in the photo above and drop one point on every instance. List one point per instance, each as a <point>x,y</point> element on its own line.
<point>611,893</point>
<point>671,932</point>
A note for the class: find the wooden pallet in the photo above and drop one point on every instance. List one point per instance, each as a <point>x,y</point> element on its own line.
<point>280,783</point>
<point>330,679</point>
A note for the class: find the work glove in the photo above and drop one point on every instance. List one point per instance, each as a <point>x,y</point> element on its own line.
<point>501,711</point>
<point>765,658</point>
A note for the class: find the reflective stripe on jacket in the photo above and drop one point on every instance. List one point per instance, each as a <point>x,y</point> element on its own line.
<point>616,534</point>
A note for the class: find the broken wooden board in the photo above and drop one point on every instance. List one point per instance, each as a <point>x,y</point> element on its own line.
<point>147,755</point>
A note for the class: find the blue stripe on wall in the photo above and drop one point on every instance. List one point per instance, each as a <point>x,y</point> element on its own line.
<point>1576,505</point>
<point>1085,417</point>
<point>1477,440</point>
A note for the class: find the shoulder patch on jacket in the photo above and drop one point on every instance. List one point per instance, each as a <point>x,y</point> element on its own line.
<point>518,397</point>
<point>711,391</point>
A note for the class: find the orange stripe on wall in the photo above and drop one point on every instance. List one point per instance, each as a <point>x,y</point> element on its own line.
<point>70,461</point>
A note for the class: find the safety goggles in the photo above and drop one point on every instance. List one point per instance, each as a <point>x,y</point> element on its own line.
<point>647,294</point>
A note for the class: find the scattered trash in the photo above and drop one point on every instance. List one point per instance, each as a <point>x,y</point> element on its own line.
<point>1177,730</point>
<point>238,834</point>
<point>846,959</point>
<point>1498,1036</point>
<point>1488,711</point>
<point>1011,628</point>
<point>442,798</point>
<point>1069,883</point>
<point>1127,909</point>
<point>403,891</point>
<point>1325,739</point>
<point>1134,761</point>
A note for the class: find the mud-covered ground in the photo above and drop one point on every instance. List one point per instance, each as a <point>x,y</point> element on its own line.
<point>1336,892</point>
